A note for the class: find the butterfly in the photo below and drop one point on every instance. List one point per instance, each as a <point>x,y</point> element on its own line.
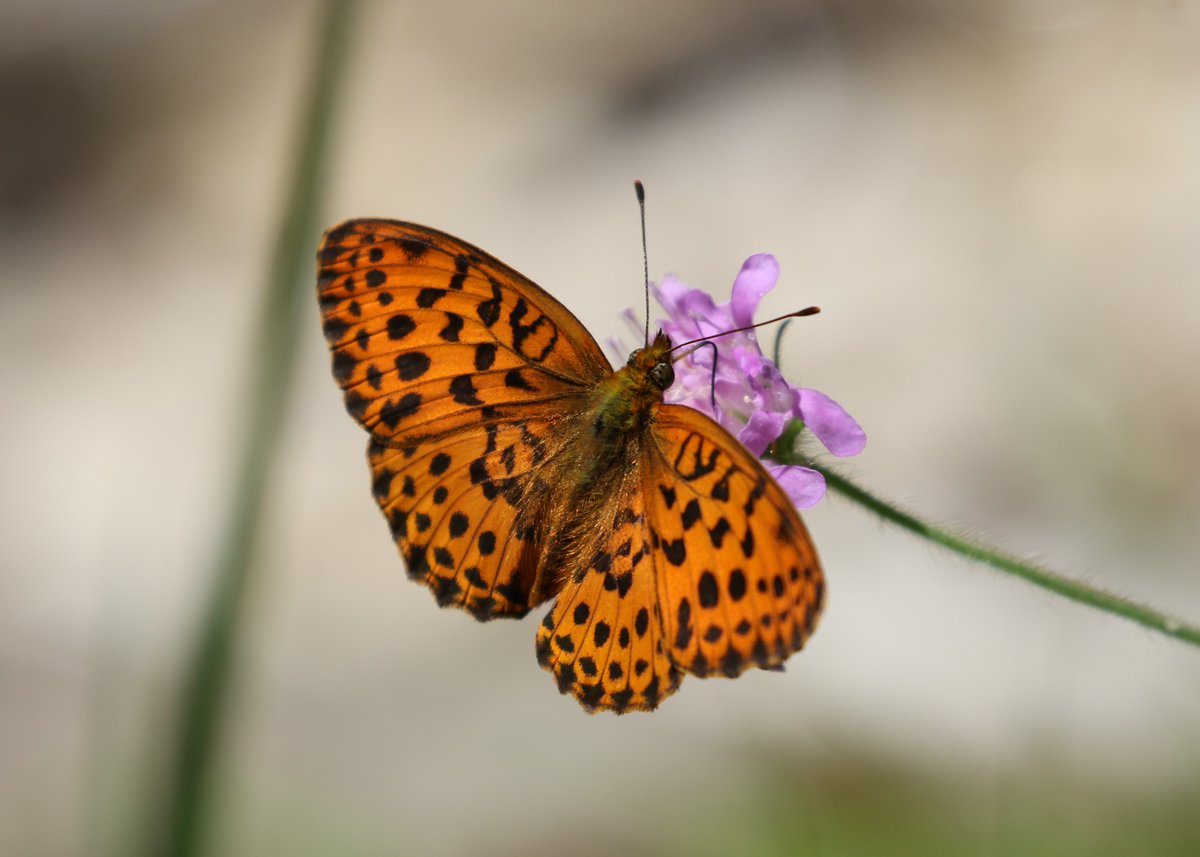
<point>515,466</point>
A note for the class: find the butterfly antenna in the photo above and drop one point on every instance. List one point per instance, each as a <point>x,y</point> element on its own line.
<point>812,310</point>
<point>712,383</point>
<point>641,198</point>
<point>708,340</point>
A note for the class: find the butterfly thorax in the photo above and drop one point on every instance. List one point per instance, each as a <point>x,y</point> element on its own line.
<point>624,402</point>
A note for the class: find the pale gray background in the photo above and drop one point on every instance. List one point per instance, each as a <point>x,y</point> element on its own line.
<point>995,204</point>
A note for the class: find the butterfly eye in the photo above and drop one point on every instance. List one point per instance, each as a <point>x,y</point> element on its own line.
<point>663,375</point>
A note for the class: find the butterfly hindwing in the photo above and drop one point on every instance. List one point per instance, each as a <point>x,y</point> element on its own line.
<point>603,639</point>
<point>426,331</point>
<point>738,578</point>
<point>465,513</point>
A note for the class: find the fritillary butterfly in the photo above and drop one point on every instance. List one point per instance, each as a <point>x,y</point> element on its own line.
<point>515,466</point>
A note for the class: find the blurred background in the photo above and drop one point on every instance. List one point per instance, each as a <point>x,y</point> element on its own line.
<point>996,205</point>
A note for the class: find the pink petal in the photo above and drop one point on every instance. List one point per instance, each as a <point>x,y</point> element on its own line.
<point>682,301</point>
<point>633,324</point>
<point>758,276</point>
<point>761,429</point>
<point>830,423</point>
<point>805,487</point>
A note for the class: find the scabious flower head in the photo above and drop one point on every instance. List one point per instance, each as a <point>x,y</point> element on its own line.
<point>754,402</point>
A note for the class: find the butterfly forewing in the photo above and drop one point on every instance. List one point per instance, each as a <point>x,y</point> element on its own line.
<point>428,331</point>
<point>461,369</point>
<point>738,579</point>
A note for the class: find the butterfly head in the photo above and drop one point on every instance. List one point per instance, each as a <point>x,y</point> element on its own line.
<point>654,362</point>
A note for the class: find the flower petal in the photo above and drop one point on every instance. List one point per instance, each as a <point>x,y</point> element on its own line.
<point>830,423</point>
<point>681,301</point>
<point>758,276</point>
<point>761,429</point>
<point>806,487</point>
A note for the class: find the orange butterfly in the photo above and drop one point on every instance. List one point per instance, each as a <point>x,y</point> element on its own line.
<point>514,465</point>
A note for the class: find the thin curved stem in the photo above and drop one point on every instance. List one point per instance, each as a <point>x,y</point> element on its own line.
<point>1117,605</point>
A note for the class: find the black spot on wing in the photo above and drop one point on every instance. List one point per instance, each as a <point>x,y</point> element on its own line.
<point>566,677</point>
<point>513,379</point>
<point>382,482</point>
<point>334,329</point>
<point>395,410</point>
<point>445,589</point>
<point>707,590</point>
<point>414,248</point>
<point>485,356</point>
<point>489,310</point>
<point>675,551</point>
<point>747,543</point>
<point>718,531</point>
<point>427,297</point>
<point>461,266</point>
<point>737,584</point>
<point>683,633</point>
<point>400,326</point>
<point>343,366</point>
<point>691,514</point>
<point>411,365</point>
<point>454,326</point>
<point>463,390</point>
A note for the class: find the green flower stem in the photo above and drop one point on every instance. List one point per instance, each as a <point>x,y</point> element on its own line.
<point>1073,589</point>
<point>206,682</point>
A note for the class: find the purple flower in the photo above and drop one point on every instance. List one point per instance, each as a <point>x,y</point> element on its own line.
<point>754,402</point>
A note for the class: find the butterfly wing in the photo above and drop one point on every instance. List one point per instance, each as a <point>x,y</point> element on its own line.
<point>461,369</point>
<point>467,514</point>
<point>708,570</point>
<point>428,332</point>
<point>738,578</point>
<point>603,639</point>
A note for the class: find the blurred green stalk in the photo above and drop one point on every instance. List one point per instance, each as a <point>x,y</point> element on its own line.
<point>203,696</point>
